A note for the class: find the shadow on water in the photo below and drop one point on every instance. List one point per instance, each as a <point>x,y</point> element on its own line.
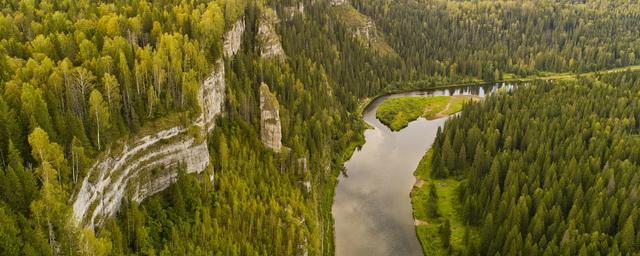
<point>372,208</point>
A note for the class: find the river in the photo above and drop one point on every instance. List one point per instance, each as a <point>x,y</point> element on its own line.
<point>372,207</point>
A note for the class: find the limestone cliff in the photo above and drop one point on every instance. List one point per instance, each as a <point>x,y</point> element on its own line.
<point>233,38</point>
<point>128,173</point>
<point>148,163</point>
<point>270,129</point>
<point>267,37</point>
<point>211,96</point>
<point>338,2</point>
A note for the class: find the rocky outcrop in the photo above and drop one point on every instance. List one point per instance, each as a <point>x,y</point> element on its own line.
<point>366,32</point>
<point>338,2</point>
<point>112,177</point>
<point>212,97</point>
<point>148,164</point>
<point>302,167</point>
<point>267,37</point>
<point>233,38</point>
<point>270,129</point>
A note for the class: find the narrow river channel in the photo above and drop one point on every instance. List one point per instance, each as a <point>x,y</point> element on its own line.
<point>372,208</point>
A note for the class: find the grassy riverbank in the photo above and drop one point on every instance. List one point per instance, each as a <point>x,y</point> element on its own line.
<point>398,112</point>
<point>428,225</point>
<point>408,86</point>
<point>428,228</point>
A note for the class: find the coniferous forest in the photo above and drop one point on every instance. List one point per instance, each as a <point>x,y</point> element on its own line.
<point>549,168</point>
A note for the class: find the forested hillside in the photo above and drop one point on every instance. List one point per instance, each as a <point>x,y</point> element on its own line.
<point>83,81</point>
<point>78,77</point>
<point>550,168</point>
<point>491,40</point>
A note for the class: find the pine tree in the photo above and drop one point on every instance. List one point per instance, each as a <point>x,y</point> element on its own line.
<point>627,236</point>
<point>445,234</point>
<point>432,202</point>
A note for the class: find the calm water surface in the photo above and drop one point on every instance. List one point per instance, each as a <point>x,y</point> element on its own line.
<point>372,208</point>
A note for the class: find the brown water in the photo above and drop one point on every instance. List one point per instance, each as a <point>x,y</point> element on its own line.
<point>372,208</point>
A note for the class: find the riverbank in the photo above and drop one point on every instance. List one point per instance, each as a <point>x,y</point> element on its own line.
<point>364,103</point>
<point>434,201</point>
<point>426,230</point>
<point>430,214</point>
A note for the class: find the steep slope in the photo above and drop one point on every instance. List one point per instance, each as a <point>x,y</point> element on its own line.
<point>149,164</point>
<point>268,39</point>
<point>362,28</point>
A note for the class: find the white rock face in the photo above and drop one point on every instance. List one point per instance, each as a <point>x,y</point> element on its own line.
<point>211,96</point>
<point>149,164</point>
<point>268,38</point>
<point>338,2</point>
<point>270,129</point>
<point>367,31</point>
<point>302,166</point>
<point>101,198</point>
<point>233,38</point>
<point>195,156</point>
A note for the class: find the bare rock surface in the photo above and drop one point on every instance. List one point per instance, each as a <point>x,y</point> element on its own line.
<point>233,38</point>
<point>268,39</point>
<point>270,129</point>
<point>338,2</point>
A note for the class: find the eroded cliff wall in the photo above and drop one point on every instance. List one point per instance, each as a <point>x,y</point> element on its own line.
<point>267,37</point>
<point>148,164</point>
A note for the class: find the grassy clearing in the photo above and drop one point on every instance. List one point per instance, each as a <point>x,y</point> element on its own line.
<point>427,228</point>
<point>397,113</point>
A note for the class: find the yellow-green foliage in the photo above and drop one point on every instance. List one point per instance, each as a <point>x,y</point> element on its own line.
<point>397,113</point>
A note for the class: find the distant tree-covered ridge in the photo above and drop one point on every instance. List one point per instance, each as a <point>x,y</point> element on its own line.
<point>492,40</point>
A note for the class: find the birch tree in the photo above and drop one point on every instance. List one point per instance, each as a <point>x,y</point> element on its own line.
<point>99,113</point>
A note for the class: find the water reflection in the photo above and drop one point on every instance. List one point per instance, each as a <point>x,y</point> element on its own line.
<point>372,208</point>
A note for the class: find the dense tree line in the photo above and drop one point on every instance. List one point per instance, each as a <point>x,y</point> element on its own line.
<point>488,39</point>
<point>355,71</point>
<point>551,168</point>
